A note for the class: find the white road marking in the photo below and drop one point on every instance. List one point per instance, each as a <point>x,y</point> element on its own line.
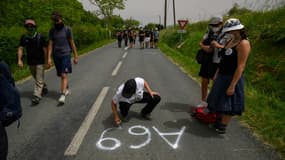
<point>115,71</point>
<point>179,134</point>
<point>146,132</point>
<point>117,143</point>
<point>126,48</point>
<point>82,131</point>
<point>125,54</point>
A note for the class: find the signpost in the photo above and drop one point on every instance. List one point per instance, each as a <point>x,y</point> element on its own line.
<point>182,25</point>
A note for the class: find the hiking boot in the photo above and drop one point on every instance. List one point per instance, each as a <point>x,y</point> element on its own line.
<point>35,100</point>
<point>61,99</point>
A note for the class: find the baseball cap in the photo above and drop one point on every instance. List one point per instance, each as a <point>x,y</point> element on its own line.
<point>129,88</point>
<point>30,22</point>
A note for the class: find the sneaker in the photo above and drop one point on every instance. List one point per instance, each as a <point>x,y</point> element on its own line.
<point>61,99</point>
<point>35,100</point>
<point>220,128</point>
<point>67,92</point>
<point>202,104</point>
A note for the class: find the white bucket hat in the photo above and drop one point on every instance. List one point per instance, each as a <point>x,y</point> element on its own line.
<point>232,24</point>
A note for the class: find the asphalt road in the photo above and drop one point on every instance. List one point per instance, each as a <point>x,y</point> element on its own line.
<point>83,128</point>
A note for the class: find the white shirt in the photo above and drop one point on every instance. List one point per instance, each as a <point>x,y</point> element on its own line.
<point>134,98</point>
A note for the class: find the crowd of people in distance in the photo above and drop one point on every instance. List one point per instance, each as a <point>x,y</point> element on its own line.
<point>148,38</point>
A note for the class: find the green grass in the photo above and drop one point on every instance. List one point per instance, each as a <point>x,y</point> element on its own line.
<point>264,74</point>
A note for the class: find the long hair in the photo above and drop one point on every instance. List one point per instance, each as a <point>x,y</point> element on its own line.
<point>243,33</point>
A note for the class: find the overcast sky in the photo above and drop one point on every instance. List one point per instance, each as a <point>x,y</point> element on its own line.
<point>147,11</point>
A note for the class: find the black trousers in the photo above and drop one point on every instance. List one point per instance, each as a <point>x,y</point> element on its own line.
<point>3,143</point>
<point>147,98</point>
<point>120,43</point>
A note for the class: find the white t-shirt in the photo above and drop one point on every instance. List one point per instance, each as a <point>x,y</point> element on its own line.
<point>136,97</point>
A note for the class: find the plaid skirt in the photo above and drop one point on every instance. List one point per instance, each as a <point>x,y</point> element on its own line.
<point>220,102</point>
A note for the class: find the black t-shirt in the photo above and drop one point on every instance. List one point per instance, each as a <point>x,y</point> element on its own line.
<point>35,49</point>
<point>141,34</point>
<point>228,64</point>
<point>147,33</point>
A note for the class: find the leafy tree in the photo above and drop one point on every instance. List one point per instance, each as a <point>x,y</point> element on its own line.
<point>132,23</point>
<point>106,7</point>
<point>116,22</point>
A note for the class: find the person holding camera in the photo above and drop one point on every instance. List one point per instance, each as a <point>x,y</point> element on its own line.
<point>210,60</point>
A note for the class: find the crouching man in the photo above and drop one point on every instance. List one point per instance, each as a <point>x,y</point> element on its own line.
<point>130,92</point>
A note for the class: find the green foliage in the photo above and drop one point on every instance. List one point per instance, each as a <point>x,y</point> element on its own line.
<point>106,7</point>
<point>265,70</point>
<point>86,26</point>
<point>131,23</point>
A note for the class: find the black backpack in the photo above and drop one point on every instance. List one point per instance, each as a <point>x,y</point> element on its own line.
<point>10,104</point>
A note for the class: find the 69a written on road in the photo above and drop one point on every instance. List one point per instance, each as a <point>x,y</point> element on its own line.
<point>116,143</point>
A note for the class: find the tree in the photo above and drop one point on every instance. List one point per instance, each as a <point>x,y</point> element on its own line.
<point>106,7</point>
<point>132,23</point>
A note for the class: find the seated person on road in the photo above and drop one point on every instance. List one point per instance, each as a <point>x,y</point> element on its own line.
<point>130,92</point>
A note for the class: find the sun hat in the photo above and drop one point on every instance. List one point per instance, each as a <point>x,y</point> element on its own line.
<point>232,24</point>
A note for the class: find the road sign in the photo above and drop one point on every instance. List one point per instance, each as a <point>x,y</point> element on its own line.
<point>182,24</point>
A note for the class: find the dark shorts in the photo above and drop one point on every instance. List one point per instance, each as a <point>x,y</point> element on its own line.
<point>219,102</point>
<point>155,40</point>
<point>62,64</point>
<point>208,69</point>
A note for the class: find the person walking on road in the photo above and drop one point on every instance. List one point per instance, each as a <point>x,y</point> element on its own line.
<point>36,48</point>
<point>130,92</point>
<point>155,37</point>
<point>119,38</point>
<point>226,97</point>
<point>141,38</point>
<point>60,46</point>
<point>125,37</point>
<point>210,62</point>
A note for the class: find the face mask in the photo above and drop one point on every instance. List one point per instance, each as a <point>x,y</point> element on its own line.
<point>31,32</point>
<point>215,29</point>
<point>58,26</point>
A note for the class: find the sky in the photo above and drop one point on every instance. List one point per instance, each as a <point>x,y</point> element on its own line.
<point>152,11</point>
